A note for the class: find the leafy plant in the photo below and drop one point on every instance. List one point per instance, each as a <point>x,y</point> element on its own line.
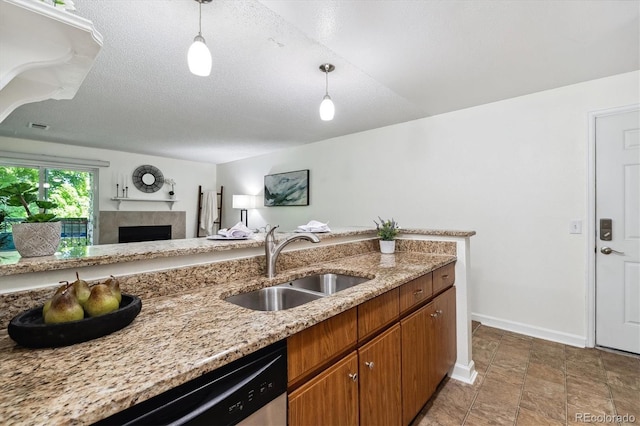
<point>387,229</point>
<point>23,194</point>
<point>3,235</point>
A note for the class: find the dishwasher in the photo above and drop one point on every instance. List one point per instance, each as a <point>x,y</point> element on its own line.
<point>249,391</point>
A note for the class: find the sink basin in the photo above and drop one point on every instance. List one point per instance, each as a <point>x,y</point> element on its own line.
<point>326,283</point>
<point>295,293</point>
<point>273,299</point>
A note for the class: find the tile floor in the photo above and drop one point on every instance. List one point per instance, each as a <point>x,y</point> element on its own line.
<point>528,381</point>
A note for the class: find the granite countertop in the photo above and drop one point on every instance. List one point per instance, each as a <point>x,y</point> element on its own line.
<point>175,339</point>
<point>11,263</point>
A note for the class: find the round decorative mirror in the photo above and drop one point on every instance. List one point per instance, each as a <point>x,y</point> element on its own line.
<point>148,178</point>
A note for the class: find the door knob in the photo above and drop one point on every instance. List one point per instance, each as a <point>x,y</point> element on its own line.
<point>609,250</point>
<point>353,376</point>
<point>369,364</point>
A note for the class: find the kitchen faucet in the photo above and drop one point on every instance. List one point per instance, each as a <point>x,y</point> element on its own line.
<point>272,250</point>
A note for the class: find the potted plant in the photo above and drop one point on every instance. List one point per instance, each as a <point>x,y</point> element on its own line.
<point>39,234</point>
<point>387,231</point>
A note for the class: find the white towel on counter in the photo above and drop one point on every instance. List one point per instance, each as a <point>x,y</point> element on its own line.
<point>209,213</point>
<point>236,231</point>
<point>314,226</point>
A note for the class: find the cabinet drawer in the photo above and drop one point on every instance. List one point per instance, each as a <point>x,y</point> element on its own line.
<point>415,292</point>
<point>313,347</point>
<point>377,313</point>
<point>444,277</point>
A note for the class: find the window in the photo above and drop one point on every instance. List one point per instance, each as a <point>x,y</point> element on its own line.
<point>72,189</point>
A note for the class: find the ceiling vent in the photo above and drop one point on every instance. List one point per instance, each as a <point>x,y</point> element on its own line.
<point>39,126</point>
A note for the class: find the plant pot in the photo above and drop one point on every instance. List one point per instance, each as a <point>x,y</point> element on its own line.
<point>37,239</point>
<point>387,247</point>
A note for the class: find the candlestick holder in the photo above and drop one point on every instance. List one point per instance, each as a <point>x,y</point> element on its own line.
<point>117,190</point>
<point>123,193</point>
<point>126,192</point>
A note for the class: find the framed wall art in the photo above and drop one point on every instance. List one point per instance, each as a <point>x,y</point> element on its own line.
<point>287,189</point>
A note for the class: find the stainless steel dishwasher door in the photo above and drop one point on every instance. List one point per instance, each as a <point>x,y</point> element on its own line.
<point>272,414</point>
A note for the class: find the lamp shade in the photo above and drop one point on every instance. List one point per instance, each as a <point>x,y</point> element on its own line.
<point>199,57</point>
<point>244,202</point>
<point>327,109</point>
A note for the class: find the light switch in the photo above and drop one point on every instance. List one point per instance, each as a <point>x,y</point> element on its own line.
<point>575,226</point>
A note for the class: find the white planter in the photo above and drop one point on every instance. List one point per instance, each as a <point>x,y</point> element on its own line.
<point>387,247</point>
<point>37,239</point>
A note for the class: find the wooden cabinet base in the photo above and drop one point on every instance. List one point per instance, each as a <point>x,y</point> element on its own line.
<point>379,363</point>
<point>331,398</point>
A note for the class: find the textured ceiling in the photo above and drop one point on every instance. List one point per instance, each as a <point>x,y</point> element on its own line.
<point>395,61</point>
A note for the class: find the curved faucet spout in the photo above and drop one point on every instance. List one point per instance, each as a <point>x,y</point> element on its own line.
<point>273,249</point>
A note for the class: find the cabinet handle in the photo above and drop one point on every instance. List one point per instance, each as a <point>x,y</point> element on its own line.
<point>439,311</point>
<point>445,276</point>
<point>418,292</point>
<point>434,314</point>
<point>353,376</point>
<point>369,364</point>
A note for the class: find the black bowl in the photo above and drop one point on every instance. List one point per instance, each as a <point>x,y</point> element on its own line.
<point>28,328</point>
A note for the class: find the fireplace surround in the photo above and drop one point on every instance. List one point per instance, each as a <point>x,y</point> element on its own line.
<point>110,222</point>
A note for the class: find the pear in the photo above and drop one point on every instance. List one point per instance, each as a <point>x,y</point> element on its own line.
<point>114,286</point>
<point>47,304</point>
<point>64,308</point>
<point>101,301</point>
<point>81,288</point>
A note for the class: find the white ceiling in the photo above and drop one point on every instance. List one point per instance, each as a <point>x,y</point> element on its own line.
<point>395,61</point>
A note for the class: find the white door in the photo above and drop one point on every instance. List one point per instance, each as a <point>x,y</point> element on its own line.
<point>618,231</point>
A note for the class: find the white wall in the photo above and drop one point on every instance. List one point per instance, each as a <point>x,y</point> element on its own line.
<point>187,174</point>
<point>515,171</point>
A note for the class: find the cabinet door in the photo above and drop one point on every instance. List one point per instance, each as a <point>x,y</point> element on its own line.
<point>444,336</point>
<point>380,382</point>
<point>331,398</point>
<point>417,361</point>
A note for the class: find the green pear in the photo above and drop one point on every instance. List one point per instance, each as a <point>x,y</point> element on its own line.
<point>101,301</point>
<point>64,308</point>
<point>47,304</point>
<point>114,286</point>
<point>81,288</point>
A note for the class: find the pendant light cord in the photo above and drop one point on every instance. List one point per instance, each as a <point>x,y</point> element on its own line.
<point>326,75</point>
<point>200,20</point>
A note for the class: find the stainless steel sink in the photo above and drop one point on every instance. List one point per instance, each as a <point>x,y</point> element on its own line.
<point>273,299</point>
<point>326,283</point>
<point>295,293</point>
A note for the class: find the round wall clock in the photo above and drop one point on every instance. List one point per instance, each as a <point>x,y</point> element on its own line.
<point>148,178</point>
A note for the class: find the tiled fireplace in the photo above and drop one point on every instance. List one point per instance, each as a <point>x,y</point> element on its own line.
<point>110,223</point>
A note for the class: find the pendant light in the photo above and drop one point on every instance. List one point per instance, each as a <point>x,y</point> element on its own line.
<point>199,57</point>
<point>327,109</point>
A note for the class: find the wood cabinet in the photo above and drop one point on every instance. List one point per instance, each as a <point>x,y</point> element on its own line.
<point>415,292</point>
<point>428,351</point>
<point>380,380</point>
<point>416,342</point>
<point>444,277</point>
<point>377,313</point>
<point>313,347</point>
<point>331,398</point>
<point>378,363</point>
<point>444,344</point>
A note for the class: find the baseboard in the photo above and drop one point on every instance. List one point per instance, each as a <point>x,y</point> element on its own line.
<point>464,373</point>
<point>532,331</point>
